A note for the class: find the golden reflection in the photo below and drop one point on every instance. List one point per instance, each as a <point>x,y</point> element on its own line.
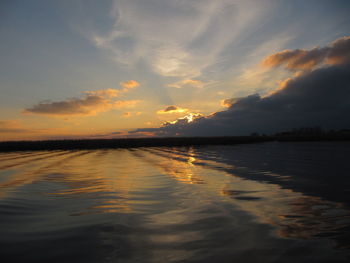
<point>111,178</point>
<point>293,214</point>
<point>112,206</point>
<point>184,172</point>
<point>187,155</point>
<point>112,182</point>
<point>13,162</point>
<point>128,181</point>
<point>191,160</point>
<point>29,171</point>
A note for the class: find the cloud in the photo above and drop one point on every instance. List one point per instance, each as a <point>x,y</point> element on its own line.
<point>130,84</point>
<point>300,59</point>
<point>91,103</point>
<point>339,51</point>
<point>86,106</point>
<point>127,114</point>
<point>318,97</point>
<point>174,38</point>
<point>172,109</point>
<point>104,93</point>
<point>184,120</point>
<point>187,83</point>
<point>228,102</point>
<point>11,126</point>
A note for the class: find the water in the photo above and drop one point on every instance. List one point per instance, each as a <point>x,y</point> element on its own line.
<point>269,202</point>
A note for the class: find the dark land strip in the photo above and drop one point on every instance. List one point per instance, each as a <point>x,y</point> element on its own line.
<point>89,144</point>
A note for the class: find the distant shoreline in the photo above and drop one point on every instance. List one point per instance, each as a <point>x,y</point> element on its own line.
<point>91,144</point>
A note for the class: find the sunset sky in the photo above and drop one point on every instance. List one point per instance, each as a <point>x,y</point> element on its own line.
<point>102,69</point>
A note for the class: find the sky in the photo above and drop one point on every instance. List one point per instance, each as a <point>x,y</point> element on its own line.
<point>134,68</point>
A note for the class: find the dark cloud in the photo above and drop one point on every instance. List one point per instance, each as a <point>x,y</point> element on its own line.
<point>319,97</point>
<point>170,108</point>
<point>74,106</point>
<point>91,103</point>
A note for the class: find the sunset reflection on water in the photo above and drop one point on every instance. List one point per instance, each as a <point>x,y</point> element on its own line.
<point>168,203</point>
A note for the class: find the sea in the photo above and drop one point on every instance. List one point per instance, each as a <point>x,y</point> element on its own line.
<point>263,202</point>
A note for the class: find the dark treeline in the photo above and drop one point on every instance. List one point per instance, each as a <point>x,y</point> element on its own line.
<point>303,134</point>
<point>125,143</point>
<point>313,134</point>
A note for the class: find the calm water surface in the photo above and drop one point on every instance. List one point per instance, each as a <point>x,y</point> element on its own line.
<point>270,202</point>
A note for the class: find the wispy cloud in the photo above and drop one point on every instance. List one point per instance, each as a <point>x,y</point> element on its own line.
<point>187,83</point>
<point>109,93</point>
<point>175,38</point>
<point>11,126</point>
<point>91,103</point>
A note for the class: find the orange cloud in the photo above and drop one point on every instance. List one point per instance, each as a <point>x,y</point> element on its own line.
<point>172,109</point>
<point>104,93</point>
<point>130,84</point>
<point>92,103</point>
<point>300,59</point>
<point>340,51</point>
<point>228,102</point>
<point>297,59</point>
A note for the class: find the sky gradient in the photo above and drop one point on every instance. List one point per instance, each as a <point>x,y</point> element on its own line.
<point>103,69</point>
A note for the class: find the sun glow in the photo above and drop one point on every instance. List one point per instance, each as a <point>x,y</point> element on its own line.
<point>192,116</point>
<point>184,120</point>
